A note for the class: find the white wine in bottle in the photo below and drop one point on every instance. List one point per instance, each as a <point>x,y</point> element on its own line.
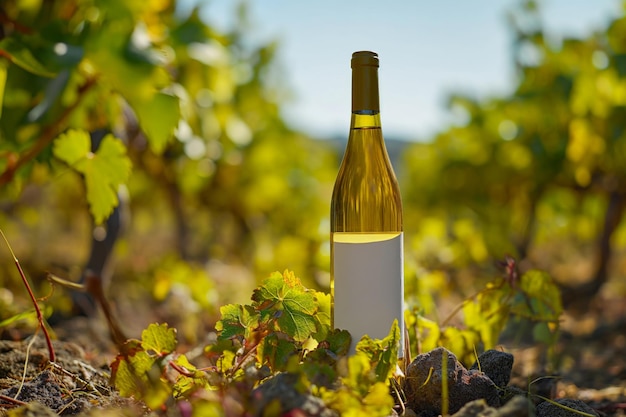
<point>367,271</point>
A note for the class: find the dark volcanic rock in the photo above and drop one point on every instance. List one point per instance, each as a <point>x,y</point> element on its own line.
<point>548,409</point>
<point>497,365</point>
<point>423,384</point>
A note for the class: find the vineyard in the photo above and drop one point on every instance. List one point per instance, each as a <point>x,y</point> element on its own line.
<point>166,231</point>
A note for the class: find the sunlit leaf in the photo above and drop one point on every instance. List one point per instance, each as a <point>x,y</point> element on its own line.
<point>284,296</point>
<point>543,294</point>
<point>186,384</point>
<point>159,338</point>
<point>322,316</point>
<point>382,354</point>
<point>488,313</point>
<point>429,333</point>
<point>103,170</point>
<point>72,146</point>
<point>236,320</point>
<point>130,376</point>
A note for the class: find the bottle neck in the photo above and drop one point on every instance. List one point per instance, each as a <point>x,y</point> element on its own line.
<point>365,120</point>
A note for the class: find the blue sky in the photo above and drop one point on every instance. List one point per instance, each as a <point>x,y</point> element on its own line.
<point>427,49</point>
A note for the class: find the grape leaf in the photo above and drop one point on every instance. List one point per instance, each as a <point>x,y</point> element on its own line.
<point>488,313</point>
<point>159,338</point>
<point>339,341</point>
<point>130,372</point>
<point>192,380</point>
<point>237,320</point>
<point>328,351</point>
<point>104,171</point>
<point>382,354</point>
<point>545,297</point>
<point>428,331</point>
<point>284,296</point>
<point>72,146</point>
<point>322,316</point>
<point>275,351</point>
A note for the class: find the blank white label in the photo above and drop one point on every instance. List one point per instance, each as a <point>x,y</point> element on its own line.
<point>368,284</point>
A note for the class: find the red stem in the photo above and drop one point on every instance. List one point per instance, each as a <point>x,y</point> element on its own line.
<point>181,370</point>
<point>38,310</point>
<point>33,299</point>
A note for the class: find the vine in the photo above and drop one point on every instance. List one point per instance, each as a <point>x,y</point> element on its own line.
<point>286,330</point>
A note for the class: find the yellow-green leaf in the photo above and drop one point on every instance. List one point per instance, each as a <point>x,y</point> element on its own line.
<point>104,171</point>
<point>159,338</point>
<point>72,146</point>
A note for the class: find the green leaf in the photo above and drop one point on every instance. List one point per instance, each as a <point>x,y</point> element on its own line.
<point>159,338</point>
<point>103,171</point>
<point>544,295</point>
<point>23,57</point>
<point>130,373</point>
<point>488,313</point>
<point>382,354</point>
<point>322,316</point>
<point>339,341</point>
<point>158,118</point>
<point>136,373</point>
<point>283,296</point>
<point>237,320</point>
<point>185,385</point>
<point>461,342</point>
<point>429,333</point>
<point>275,351</point>
<point>72,146</point>
<point>320,363</point>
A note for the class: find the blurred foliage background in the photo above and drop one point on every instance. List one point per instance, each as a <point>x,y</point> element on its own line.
<point>214,190</point>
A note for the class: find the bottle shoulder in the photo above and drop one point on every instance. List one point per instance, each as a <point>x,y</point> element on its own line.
<point>366,195</point>
<point>366,156</point>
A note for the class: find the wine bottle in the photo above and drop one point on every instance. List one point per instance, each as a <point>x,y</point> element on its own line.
<point>367,272</point>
